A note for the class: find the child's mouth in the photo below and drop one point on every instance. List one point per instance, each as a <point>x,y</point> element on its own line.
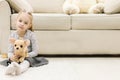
<point>20,27</point>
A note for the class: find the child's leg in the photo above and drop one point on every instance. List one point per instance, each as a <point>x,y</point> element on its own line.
<point>22,67</point>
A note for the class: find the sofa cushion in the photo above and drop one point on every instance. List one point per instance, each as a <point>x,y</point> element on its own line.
<point>95,21</point>
<point>18,5</point>
<point>112,6</point>
<point>47,5</point>
<point>47,21</point>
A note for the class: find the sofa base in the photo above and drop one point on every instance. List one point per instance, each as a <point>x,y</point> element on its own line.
<point>79,42</point>
<point>79,55</point>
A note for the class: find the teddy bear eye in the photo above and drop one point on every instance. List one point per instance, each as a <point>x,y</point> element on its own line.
<point>15,45</point>
<point>21,46</point>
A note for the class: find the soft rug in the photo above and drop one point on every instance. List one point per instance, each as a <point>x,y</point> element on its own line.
<point>71,69</point>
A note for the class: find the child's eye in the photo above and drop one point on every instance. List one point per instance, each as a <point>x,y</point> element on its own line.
<point>26,23</point>
<point>21,46</point>
<point>20,20</point>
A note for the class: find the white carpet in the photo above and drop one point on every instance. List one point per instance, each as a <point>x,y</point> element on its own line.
<point>71,69</point>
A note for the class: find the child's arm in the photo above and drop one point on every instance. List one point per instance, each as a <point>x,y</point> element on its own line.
<point>10,51</point>
<point>34,47</point>
<point>10,46</point>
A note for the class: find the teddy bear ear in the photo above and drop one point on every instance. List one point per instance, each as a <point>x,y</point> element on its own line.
<point>12,40</point>
<point>27,42</point>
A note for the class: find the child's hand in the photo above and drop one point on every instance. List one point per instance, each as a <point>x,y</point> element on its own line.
<point>12,58</point>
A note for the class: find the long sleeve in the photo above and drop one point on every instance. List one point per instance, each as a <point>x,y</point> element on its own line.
<point>10,47</point>
<point>10,51</point>
<point>34,46</point>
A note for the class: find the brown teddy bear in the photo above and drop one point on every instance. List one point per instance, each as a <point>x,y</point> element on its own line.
<point>20,49</point>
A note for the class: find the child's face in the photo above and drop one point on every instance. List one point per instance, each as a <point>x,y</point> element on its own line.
<point>23,22</point>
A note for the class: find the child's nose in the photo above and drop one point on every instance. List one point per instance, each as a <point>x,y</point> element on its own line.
<point>22,24</point>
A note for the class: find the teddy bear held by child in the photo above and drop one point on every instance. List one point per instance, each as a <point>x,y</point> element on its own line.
<point>20,49</point>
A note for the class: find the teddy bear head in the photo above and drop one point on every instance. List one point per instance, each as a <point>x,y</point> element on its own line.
<point>20,45</point>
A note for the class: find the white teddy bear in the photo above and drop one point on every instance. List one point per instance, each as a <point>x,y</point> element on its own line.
<point>83,6</point>
<point>69,7</point>
<point>98,8</point>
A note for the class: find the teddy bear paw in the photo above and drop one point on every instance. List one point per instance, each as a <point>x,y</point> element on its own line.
<point>71,9</point>
<point>21,59</point>
<point>97,9</point>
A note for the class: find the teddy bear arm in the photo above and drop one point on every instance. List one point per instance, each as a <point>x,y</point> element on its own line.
<point>96,9</point>
<point>21,59</point>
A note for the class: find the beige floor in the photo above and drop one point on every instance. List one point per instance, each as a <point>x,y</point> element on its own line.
<point>71,69</point>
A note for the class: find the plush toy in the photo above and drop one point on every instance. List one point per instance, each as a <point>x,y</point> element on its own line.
<point>97,8</point>
<point>69,7</point>
<point>20,49</point>
<point>82,6</point>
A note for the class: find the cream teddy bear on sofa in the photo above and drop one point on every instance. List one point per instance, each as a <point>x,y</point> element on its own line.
<point>83,6</point>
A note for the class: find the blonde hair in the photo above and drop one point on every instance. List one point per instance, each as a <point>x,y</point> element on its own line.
<point>30,16</point>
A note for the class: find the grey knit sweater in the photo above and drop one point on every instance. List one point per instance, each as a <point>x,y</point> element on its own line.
<point>33,48</point>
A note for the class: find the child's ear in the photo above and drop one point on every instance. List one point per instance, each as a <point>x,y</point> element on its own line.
<point>12,40</point>
<point>30,25</point>
<point>27,42</point>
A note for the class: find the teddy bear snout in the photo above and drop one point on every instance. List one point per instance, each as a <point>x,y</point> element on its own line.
<point>17,48</point>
